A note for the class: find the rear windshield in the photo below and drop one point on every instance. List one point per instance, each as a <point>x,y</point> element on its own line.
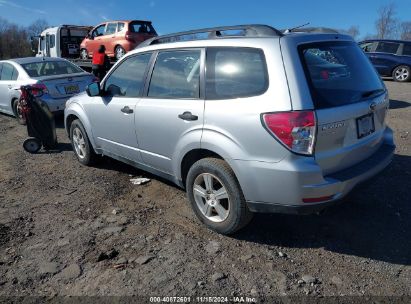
<point>142,27</point>
<point>50,68</point>
<point>339,73</point>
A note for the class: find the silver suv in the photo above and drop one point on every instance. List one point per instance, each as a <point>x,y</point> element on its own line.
<point>245,118</point>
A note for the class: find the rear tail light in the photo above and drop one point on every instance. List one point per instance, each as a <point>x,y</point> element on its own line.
<point>129,37</point>
<point>294,129</point>
<point>37,90</point>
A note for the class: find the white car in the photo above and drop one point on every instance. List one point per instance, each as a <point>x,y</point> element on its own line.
<point>59,79</point>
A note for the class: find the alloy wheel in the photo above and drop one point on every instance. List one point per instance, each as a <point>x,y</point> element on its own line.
<point>79,143</point>
<point>211,197</point>
<point>401,74</point>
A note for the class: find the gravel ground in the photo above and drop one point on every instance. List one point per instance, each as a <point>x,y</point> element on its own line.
<point>66,229</point>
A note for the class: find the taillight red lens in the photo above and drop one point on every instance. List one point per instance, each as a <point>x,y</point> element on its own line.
<point>295,129</point>
<point>129,37</point>
<point>39,89</point>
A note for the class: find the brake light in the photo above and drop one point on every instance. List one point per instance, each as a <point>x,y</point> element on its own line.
<point>294,129</point>
<point>38,89</point>
<point>129,37</point>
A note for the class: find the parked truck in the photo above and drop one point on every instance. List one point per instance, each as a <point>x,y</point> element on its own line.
<point>63,41</point>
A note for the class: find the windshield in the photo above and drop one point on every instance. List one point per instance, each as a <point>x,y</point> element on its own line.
<point>50,68</point>
<point>338,73</point>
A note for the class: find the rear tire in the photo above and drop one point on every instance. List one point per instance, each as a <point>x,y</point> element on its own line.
<point>402,73</point>
<point>81,144</point>
<point>119,52</point>
<point>32,145</point>
<point>216,196</point>
<point>17,112</point>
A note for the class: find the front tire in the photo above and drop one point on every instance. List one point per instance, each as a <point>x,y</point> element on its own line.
<point>18,112</point>
<point>81,144</point>
<point>216,196</point>
<point>402,73</point>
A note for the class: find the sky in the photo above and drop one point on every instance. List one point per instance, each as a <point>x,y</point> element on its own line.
<point>180,15</point>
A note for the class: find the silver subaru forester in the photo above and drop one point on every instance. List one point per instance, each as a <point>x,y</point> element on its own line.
<point>246,118</point>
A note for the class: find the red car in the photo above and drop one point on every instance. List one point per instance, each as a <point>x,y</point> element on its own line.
<point>118,37</point>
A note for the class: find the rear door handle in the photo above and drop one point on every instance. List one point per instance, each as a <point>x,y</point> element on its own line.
<point>127,110</point>
<point>188,116</point>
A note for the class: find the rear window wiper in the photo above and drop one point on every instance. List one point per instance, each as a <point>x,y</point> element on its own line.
<point>370,93</point>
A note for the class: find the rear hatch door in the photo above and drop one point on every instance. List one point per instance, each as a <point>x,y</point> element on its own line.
<point>350,102</point>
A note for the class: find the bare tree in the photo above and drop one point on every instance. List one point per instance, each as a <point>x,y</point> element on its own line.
<point>37,27</point>
<point>405,30</point>
<point>353,31</point>
<point>386,24</point>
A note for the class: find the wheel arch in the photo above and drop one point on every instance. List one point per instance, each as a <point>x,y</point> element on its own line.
<point>73,113</point>
<point>193,156</point>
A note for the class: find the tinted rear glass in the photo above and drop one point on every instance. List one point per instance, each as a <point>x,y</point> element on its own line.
<point>339,73</point>
<point>407,49</point>
<point>235,72</point>
<point>50,68</point>
<point>142,28</point>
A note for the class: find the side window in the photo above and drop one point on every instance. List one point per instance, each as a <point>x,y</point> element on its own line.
<point>387,47</point>
<point>111,29</point>
<point>407,49</point>
<point>52,41</point>
<point>120,26</point>
<point>99,31</point>
<point>176,74</point>
<point>127,80</point>
<point>235,72</point>
<point>1,67</point>
<point>15,74</point>
<point>7,72</point>
<point>367,46</point>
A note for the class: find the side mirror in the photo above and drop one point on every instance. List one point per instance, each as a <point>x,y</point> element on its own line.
<point>90,36</point>
<point>93,89</point>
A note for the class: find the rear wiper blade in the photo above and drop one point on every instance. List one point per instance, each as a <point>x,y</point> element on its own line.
<point>371,93</point>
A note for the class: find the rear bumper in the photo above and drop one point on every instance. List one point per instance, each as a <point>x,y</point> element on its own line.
<point>281,187</point>
<point>55,104</point>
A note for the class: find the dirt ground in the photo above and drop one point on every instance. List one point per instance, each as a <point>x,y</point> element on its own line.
<point>66,229</point>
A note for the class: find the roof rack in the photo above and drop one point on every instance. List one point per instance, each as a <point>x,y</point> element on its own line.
<point>247,30</point>
<point>324,30</point>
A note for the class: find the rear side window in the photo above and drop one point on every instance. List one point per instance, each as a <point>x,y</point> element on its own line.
<point>120,26</point>
<point>235,72</point>
<point>8,72</point>
<point>339,73</point>
<point>176,75</point>
<point>111,28</point>
<point>387,47</point>
<point>407,49</point>
<point>127,80</point>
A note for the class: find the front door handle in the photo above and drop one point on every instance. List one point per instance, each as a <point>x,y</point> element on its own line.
<point>10,87</point>
<point>188,116</point>
<point>127,110</point>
